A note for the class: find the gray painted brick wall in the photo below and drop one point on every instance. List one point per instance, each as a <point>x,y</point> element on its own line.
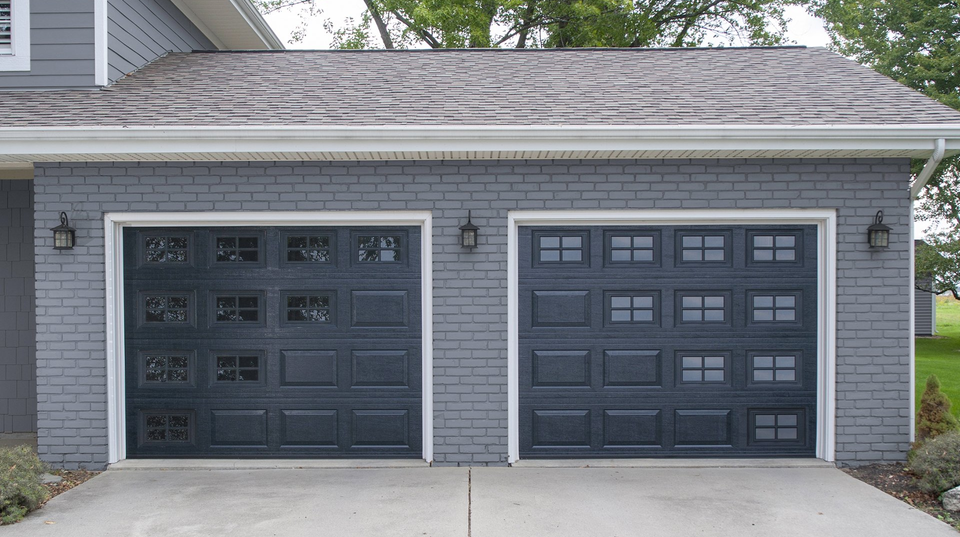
<point>18,388</point>
<point>470,297</point>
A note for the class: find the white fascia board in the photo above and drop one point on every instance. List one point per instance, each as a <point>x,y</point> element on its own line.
<point>903,140</point>
<point>258,24</point>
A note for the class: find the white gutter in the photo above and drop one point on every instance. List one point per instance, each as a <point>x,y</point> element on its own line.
<point>810,141</point>
<point>939,150</point>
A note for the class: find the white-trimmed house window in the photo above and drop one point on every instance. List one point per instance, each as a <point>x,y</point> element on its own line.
<point>14,35</point>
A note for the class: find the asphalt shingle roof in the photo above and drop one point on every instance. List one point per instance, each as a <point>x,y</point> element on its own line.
<point>728,86</point>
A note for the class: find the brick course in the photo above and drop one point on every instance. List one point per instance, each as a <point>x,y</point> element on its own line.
<point>470,297</point>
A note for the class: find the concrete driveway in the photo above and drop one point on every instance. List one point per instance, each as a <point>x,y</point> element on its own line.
<point>481,502</point>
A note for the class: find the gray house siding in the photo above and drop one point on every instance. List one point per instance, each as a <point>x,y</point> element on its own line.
<point>470,288</point>
<point>141,31</point>
<point>18,388</point>
<point>61,47</point>
<point>924,307</point>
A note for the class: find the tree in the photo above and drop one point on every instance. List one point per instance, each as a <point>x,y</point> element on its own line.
<point>938,264</point>
<point>557,23</point>
<point>934,417</point>
<point>917,43</point>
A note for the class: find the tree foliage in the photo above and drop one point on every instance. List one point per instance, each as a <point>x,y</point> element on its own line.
<point>556,23</point>
<point>917,43</point>
<point>934,417</point>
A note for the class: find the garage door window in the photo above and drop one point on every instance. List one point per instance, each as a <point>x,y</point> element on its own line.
<point>773,248</point>
<point>166,308</point>
<point>308,249</point>
<point>380,248</point>
<point>308,309</point>
<point>166,368</point>
<point>703,368</point>
<point>703,248</point>
<point>703,308</point>
<point>633,308</point>
<point>167,427</point>
<point>238,249</point>
<point>632,248</point>
<point>773,427</point>
<point>774,368</point>
<point>561,248</point>
<point>238,309</point>
<point>238,368</point>
<point>166,249</point>
<point>775,308</point>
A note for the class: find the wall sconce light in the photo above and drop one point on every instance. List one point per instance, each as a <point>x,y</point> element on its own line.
<point>468,234</point>
<point>64,236</point>
<point>878,235</point>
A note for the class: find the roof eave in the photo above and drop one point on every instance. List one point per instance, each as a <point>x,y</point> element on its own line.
<point>186,143</point>
<point>231,24</point>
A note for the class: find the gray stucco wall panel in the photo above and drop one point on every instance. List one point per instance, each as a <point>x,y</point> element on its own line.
<point>470,298</point>
<point>18,394</point>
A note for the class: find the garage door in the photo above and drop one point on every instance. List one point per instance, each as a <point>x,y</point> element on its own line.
<point>667,341</point>
<point>273,342</point>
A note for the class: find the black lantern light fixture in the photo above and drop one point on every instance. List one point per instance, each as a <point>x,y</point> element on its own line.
<point>64,236</point>
<point>878,235</point>
<point>468,234</point>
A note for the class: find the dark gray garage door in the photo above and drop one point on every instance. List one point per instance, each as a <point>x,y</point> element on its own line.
<point>668,341</point>
<point>273,342</point>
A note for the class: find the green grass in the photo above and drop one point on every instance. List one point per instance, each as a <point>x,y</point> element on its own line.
<point>941,356</point>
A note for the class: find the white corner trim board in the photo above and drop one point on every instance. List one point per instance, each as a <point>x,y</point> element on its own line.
<point>101,38</point>
<point>826,222</point>
<point>113,246</point>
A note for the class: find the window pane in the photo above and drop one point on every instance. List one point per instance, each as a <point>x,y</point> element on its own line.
<point>763,375</point>
<point>786,241</point>
<point>713,315</point>
<point>763,361</point>
<point>763,241</point>
<point>786,361</point>
<point>572,255</point>
<point>713,242</point>
<point>713,302</point>
<point>549,255</point>
<point>713,375</point>
<point>549,242</point>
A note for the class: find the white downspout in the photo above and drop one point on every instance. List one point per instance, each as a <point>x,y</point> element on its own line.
<point>939,148</point>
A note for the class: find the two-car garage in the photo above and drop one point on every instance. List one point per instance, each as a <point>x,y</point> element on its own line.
<point>686,340</point>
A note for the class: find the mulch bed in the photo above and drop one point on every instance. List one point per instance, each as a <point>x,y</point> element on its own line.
<point>897,481</point>
<point>71,478</point>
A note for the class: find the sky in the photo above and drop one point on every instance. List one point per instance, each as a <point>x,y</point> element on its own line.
<point>803,28</point>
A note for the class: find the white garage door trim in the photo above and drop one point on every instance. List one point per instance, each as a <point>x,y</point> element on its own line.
<point>113,246</point>
<point>826,222</point>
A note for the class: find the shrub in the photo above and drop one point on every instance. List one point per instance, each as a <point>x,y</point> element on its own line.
<point>937,463</point>
<point>21,490</point>
<point>934,417</point>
